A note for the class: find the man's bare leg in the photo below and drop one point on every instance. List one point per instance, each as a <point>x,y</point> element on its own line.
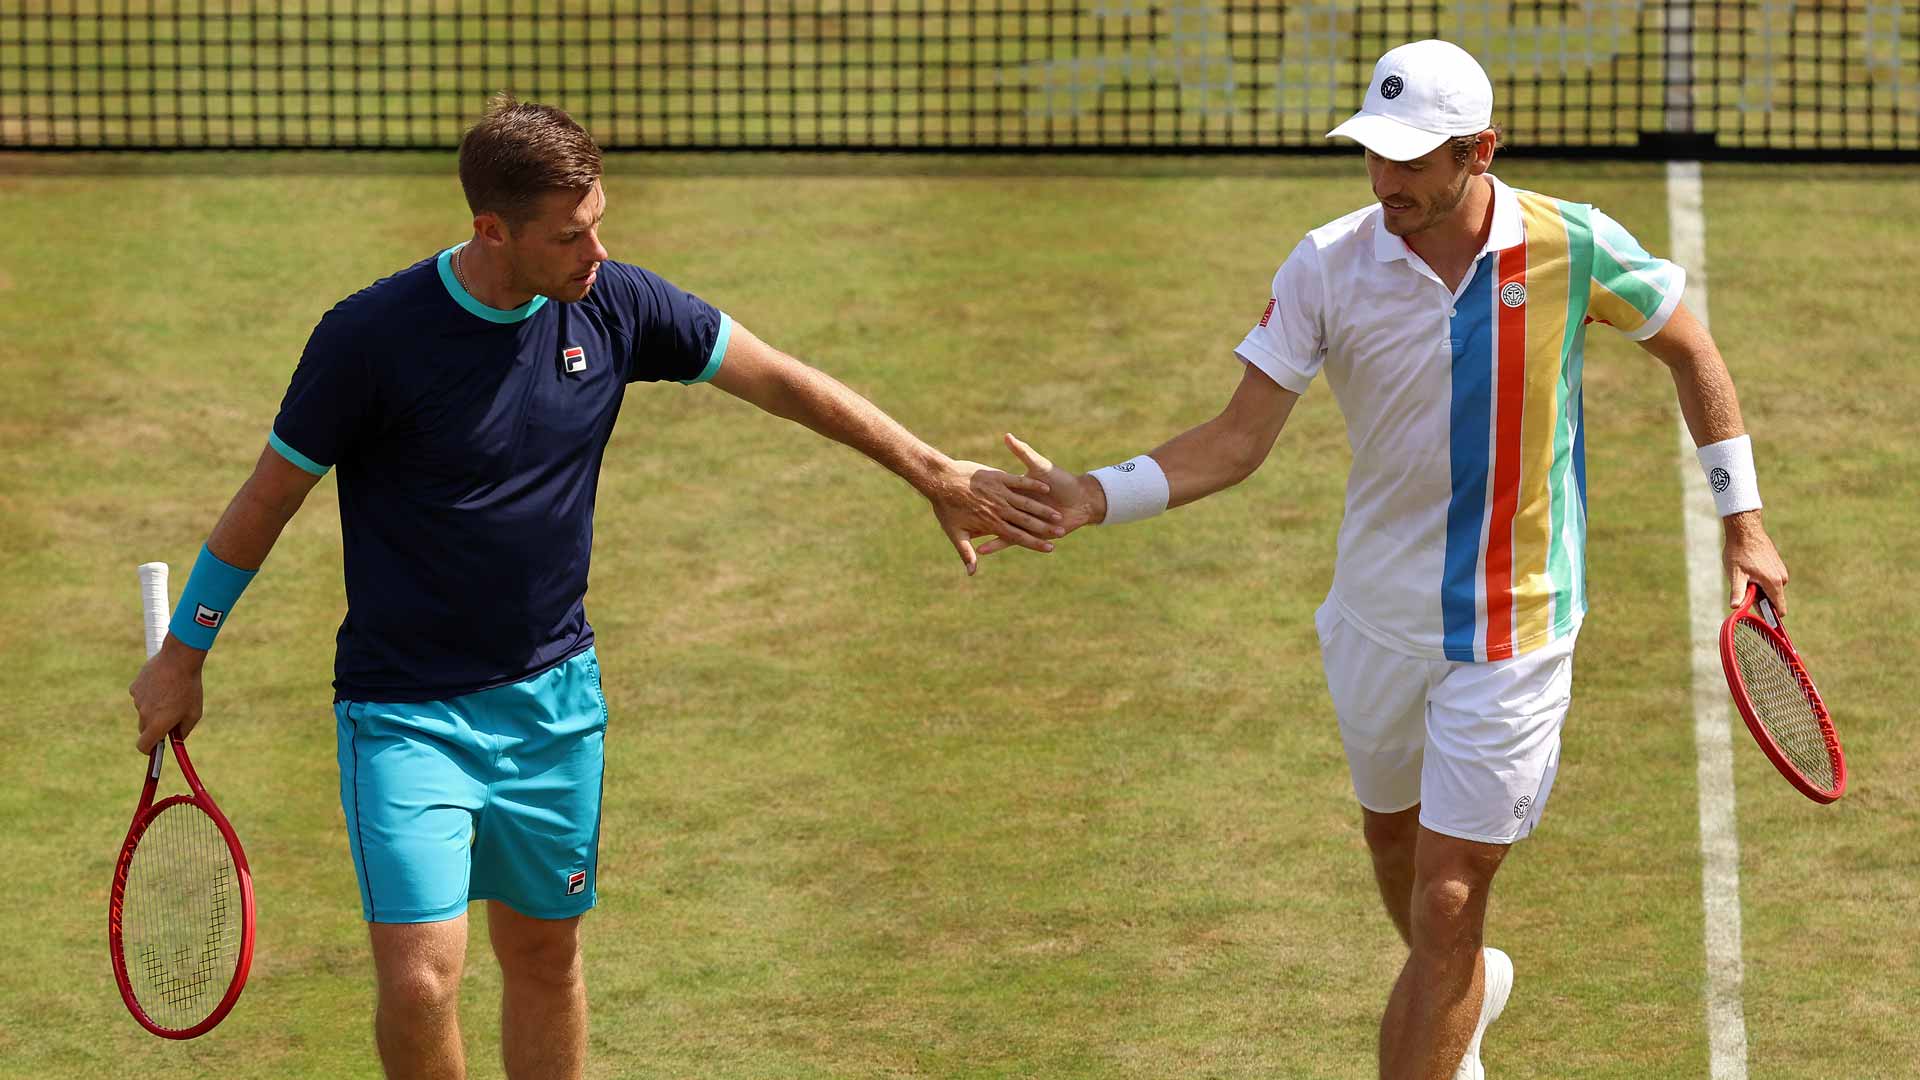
<point>416,1020</point>
<point>1392,840</point>
<point>1435,1004</point>
<point>543,1001</point>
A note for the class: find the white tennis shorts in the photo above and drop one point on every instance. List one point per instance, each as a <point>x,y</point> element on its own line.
<point>1474,745</point>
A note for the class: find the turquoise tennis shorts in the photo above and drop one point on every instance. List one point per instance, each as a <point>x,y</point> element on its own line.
<point>487,796</point>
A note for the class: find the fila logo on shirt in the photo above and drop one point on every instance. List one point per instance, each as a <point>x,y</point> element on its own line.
<point>573,359</point>
<point>576,882</point>
<point>207,617</point>
<point>1513,294</point>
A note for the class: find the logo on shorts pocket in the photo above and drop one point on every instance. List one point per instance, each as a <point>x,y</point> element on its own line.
<point>576,882</point>
<point>1520,805</point>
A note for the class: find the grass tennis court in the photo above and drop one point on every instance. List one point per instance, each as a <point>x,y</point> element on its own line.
<point>1085,815</point>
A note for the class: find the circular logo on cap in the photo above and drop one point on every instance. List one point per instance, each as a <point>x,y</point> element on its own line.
<point>1391,86</point>
<point>1514,294</point>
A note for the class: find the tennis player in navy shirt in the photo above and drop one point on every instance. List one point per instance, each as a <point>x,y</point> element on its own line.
<point>466,403</point>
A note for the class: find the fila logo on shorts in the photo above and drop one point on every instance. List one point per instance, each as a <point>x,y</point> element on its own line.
<point>576,882</point>
<point>574,359</point>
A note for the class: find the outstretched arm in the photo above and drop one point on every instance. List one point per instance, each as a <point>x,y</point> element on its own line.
<point>1197,462</point>
<point>1712,412</point>
<point>167,692</point>
<point>969,499</point>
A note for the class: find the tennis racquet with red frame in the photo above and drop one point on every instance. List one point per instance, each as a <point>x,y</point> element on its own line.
<point>1777,699</point>
<point>180,916</point>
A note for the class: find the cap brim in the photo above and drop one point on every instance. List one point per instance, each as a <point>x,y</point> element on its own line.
<point>1388,137</point>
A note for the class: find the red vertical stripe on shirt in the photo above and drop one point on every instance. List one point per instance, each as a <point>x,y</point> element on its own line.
<point>1512,393</point>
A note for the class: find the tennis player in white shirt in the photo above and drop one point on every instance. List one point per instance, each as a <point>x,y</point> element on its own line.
<point>1449,318</point>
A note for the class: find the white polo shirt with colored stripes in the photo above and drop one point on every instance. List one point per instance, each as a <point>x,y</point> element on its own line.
<point>1465,529</point>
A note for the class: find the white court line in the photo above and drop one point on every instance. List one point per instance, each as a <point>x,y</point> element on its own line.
<point>1712,718</point>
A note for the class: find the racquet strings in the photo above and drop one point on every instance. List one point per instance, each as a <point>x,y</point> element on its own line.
<point>1781,705</point>
<point>181,919</point>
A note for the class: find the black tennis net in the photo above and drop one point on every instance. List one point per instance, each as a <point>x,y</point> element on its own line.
<point>1615,77</point>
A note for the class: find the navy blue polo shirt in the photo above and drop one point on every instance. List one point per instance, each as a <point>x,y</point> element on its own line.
<point>468,442</point>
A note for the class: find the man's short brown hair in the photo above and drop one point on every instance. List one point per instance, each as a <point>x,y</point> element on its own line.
<point>1463,145</point>
<point>520,151</point>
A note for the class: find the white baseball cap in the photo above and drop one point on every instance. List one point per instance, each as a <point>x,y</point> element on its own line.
<point>1423,93</point>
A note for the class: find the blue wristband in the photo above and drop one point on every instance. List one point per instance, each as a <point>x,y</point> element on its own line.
<point>212,590</point>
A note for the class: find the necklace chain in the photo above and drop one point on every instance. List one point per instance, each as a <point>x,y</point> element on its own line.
<point>457,275</point>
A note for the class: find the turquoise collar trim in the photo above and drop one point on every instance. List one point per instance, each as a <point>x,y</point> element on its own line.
<point>465,299</point>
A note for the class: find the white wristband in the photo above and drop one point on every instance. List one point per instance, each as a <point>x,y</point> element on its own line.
<point>1729,468</point>
<point>1136,490</point>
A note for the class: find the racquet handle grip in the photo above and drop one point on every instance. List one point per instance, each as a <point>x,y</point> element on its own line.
<point>153,599</point>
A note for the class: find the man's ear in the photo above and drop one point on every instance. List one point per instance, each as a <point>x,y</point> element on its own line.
<point>1483,151</point>
<point>491,228</point>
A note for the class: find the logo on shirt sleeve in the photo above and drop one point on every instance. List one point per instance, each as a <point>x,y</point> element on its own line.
<point>574,359</point>
<point>1268,314</point>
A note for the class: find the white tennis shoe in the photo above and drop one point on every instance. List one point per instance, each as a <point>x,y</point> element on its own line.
<point>1492,1002</point>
